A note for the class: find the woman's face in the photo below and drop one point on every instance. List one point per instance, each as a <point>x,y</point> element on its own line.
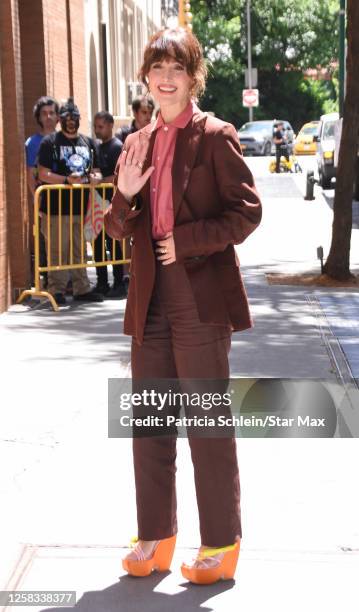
<point>169,83</point>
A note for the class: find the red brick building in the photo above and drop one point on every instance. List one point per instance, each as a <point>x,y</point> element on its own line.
<point>42,52</point>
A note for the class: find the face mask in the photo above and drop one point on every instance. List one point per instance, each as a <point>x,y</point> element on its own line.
<point>74,118</point>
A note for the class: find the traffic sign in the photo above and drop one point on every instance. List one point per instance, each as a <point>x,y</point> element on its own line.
<point>250,97</point>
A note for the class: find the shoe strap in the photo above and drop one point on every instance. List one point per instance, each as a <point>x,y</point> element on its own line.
<point>138,550</point>
<point>205,563</point>
<point>211,552</point>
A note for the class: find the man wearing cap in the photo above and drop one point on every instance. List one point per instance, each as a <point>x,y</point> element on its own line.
<point>67,157</point>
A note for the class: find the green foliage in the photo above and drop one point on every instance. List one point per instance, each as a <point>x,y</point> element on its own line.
<point>288,37</point>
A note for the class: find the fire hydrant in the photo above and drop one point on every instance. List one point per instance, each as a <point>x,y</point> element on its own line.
<point>311,181</point>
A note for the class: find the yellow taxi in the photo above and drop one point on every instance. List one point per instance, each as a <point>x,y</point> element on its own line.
<point>304,143</point>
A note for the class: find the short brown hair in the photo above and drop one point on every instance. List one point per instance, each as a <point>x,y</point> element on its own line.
<point>142,101</point>
<point>181,45</point>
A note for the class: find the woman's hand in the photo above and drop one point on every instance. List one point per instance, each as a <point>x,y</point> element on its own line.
<point>166,251</point>
<point>130,178</point>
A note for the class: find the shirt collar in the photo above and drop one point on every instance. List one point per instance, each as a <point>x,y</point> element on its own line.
<point>181,120</point>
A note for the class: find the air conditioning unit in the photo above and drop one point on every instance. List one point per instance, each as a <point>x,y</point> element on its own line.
<point>134,89</point>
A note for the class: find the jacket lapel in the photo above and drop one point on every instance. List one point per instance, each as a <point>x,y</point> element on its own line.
<point>187,144</point>
<point>147,140</point>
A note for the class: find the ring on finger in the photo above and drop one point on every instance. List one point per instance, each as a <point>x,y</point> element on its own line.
<point>140,165</point>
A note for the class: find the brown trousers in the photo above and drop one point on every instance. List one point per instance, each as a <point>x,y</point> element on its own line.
<point>57,280</point>
<point>177,345</point>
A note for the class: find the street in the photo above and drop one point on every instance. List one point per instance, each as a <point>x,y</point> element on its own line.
<point>67,490</point>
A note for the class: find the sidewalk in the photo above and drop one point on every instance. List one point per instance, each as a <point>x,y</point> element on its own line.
<point>69,499</point>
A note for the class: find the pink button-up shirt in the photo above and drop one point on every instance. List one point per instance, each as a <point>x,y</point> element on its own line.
<point>161,177</point>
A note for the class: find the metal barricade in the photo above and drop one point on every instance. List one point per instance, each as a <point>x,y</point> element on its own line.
<point>93,204</point>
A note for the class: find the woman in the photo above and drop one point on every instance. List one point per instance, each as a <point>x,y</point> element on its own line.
<point>186,197</point>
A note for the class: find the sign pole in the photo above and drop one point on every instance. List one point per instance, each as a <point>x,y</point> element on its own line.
<point>249,51</point>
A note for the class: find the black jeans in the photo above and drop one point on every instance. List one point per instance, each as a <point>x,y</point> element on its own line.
<point>279,151</point>
<point>101,271</point>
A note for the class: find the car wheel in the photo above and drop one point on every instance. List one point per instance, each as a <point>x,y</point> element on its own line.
<point>325,181</point>
<point>267,149</point>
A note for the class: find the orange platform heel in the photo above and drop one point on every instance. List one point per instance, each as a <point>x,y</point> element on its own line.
<point>160,560</point>
<point>202,571</point>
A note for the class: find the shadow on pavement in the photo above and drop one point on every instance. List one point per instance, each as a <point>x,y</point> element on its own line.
<point>134,595</point>
<point>89,324</point>
<point>330,201</point>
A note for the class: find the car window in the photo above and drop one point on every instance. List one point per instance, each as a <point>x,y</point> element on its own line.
<point>328,130</point>
<point>255,127</point>
<point>309,130</point>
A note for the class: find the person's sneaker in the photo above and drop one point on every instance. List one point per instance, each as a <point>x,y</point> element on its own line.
<point>90,296</point>
<point>60,299</point>
<point>103,289</point>
<point>118,291</point>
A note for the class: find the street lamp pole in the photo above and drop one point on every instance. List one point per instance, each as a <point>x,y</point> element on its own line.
<point>249,51</point>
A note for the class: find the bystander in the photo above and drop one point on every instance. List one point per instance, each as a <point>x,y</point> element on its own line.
<point>108,153</point>
<point>142,109</point>
<point>68,158</point>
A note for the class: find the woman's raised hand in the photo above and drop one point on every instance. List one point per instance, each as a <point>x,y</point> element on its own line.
<point>130,178</point>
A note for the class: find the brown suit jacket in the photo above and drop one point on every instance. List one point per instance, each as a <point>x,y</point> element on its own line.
<point>215,205</point>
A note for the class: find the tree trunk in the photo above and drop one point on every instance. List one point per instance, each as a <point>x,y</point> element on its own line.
<point>337,265</point>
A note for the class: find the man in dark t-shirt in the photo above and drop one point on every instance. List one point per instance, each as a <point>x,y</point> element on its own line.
<point>67,158</point>
<point>108,153</point>
<point>281,145</point>
<point>142,109</point>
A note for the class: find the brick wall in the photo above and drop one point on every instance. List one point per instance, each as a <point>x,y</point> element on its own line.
<point>4,262</point>
<point>38,40</point>
<point>56,51</point>
<point>32,59</point>
<point>15,256</point>
<point>65,51</point>
<point>79,59</point>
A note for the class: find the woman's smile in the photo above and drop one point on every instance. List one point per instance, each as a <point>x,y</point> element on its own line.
<point>167,88</point>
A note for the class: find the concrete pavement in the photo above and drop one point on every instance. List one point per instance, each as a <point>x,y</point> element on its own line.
<point>68,489</point>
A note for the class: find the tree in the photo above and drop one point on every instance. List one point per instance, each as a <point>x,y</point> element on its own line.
<point>337,265</point>
<point>287,38</point>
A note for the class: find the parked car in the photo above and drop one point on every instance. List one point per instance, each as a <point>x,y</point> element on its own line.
<point>325,149</point>
<point>304,143</point>
<point>256,137</point>
<point>338,136</point>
